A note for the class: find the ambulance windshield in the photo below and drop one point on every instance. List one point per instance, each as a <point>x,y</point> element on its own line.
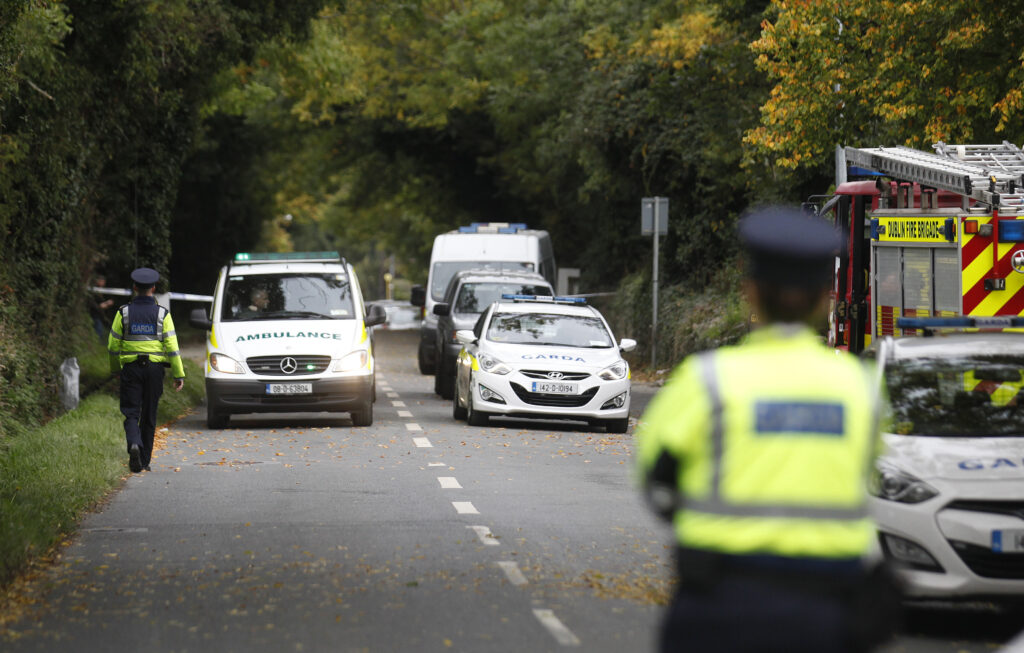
<point>309,296</point>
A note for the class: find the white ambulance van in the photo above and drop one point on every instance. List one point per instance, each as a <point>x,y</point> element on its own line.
<point>288,332</point>
<point>500,246</point>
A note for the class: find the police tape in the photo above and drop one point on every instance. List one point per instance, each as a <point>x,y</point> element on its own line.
<point>176,296</point>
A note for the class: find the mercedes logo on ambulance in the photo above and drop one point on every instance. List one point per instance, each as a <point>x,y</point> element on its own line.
<point>289,365</point>
<point>1017,261</point>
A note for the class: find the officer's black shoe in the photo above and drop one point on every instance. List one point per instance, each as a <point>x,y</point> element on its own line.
<point>146,467</point>
<point>135,459</point>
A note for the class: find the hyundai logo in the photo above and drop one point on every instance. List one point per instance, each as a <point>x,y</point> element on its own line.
<point>289,365</point>
<point>1017,261</point>
<point>554,376</point>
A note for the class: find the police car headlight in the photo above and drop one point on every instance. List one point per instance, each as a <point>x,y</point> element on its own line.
<point>492,365</point>
<point>355,361</point>
<point>226,364</point>
<point>615,372</point>
<point>893,484</point>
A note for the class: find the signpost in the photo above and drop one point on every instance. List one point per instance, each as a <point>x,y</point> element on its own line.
<point>654,221</point>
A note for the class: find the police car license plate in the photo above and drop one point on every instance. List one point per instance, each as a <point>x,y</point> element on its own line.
<point>289,388</point>
<point>1008,541</point>
<point>555,388</point>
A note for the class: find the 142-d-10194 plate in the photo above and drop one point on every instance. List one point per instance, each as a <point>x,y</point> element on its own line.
<point>1008,541</point>
<point>289,388</point>
<point>554,388</point>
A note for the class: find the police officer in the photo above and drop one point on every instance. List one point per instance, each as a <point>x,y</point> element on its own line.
<point>759,453</point>
<point>141,344</point>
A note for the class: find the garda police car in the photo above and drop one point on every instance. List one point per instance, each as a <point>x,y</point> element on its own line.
<point>545,357</point>
<point>288,333</point>
<point>949,489</point>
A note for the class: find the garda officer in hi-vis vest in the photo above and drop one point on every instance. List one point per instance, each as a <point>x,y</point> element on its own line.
<point>759,454</point>
<point>141,344</point>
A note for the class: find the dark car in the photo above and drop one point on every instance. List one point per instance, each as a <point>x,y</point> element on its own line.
<point>469,293</point>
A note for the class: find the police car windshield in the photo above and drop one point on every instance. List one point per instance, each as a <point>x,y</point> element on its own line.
<point>445,270</point>
<point>548,329</point>
<point>475,297</point>
<point>288,296</point>
<point>976,396</point>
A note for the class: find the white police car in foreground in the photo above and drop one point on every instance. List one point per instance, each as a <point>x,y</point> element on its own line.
<point>288,333</point>
<point>949,490</point>
<point>544,357</point>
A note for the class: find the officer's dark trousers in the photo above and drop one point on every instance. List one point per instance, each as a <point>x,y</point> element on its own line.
<point>737,615</point>
<point>141,387</point>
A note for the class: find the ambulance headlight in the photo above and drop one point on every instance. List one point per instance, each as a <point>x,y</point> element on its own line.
<point>492,365</point>
<point>226,364</point>
<point>355,361</point>
<point>615,372</point>
<point>894,484</point>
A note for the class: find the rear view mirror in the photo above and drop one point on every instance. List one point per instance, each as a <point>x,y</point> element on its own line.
<point>418,296</point>
<point>627,344</point>
<point>442,309</point>
<point>465,337</point>
<point>199,319</point>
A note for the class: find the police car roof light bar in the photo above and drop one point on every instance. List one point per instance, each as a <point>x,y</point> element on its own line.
<point>546,299</point>
<point>287,257</point>
<point>928,323</point>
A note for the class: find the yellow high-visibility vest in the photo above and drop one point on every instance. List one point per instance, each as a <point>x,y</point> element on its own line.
<point>775,439</point>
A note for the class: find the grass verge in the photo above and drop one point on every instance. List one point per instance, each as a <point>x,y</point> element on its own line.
<point>50,476</point>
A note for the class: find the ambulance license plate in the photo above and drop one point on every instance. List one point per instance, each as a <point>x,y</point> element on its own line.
<point>1008,541</point>
<point>289,388</point>
<point>555,388</point>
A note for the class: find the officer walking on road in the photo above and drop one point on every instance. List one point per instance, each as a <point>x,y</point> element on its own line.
<point>759,454</point>
<point>141,344</point>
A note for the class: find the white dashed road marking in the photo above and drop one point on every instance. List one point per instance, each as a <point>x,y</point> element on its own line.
<point>422,442</point>
<point>465,508</point>
<point>392,395</point>
<point>398,404</point>
<point>512,572</point>
<point>485,535</point>
<point>404,413</point>
<point>557,629</point>
<point>434,464</point>
<point>449,483</point>
<point>413,426</point>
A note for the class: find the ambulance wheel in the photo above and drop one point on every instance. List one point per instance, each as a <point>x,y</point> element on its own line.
<point>216,420</point>
<point>458,412</point>
<point>475,417</point>
<point>363,416</point>
<point>617,425</point>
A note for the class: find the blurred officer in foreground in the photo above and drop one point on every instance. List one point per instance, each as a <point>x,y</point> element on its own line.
<point>759,454</point>
<point>141,344</point>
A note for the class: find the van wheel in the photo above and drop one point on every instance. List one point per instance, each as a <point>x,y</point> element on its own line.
<point>426,367</point>
<point>217,420</point>
<point>458,412</point>
<point>363,416</point>
<point>444,384</point>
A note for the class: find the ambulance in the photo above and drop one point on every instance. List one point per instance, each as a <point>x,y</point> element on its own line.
<point>288,332</point>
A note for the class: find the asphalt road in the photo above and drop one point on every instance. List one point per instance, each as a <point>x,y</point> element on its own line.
<point>302,533</point>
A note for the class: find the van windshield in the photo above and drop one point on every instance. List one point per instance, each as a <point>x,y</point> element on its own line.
<point>311,296</point>
<point>475,297</point>
<point>444,271</point>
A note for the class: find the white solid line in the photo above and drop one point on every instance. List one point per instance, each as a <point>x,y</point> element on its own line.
<point>392,395</point>
<point>435,464</point>
<point>404,413</point>
<point>512,572</point>
<point>485,535</point>
<point>398,404</point>
<point>449,483</point>
<point>557,629</point>
<point>465,508</point>
<point>413,426</point>
<point>422,442</point>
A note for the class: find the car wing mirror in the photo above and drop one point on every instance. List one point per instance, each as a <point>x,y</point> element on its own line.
<point>199,319</point>
<point>465,337</point>
<point>418,296</point>
<point>375,315</point>
<point>442,309</point>
<point>627,344</point>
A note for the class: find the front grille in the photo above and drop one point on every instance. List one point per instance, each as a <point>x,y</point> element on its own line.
<point>271,365</point>
<point>558,401</point>
<point>566,376</point>
<point>989,564</point>
<point>1013,507</point>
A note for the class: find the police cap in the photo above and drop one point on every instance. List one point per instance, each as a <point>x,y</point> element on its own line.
<point>789,248</point>
<point>145,276</point>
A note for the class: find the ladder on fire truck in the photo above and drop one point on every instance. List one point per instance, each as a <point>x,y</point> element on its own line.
<point>990,174</point>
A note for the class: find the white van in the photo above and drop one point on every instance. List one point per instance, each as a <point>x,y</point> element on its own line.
<point>288,333</point>
<point>499,246</point>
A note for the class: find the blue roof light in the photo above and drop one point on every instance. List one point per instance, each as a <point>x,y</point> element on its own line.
<point>544,299</point>
<point>996,322</point>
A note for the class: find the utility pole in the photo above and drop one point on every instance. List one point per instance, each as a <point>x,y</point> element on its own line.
<point>654,221</point>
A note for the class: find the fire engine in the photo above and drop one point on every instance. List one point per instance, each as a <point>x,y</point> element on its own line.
<point>929,235</point>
